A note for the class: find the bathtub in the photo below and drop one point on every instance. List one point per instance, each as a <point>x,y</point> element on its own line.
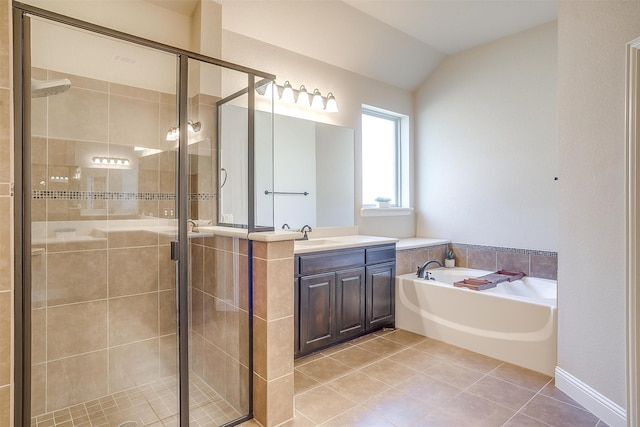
<point>515,322</point>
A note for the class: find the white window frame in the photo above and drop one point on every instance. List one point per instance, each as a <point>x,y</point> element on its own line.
<point>402,205</point>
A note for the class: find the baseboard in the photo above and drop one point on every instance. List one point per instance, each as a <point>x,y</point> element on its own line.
<point>599,405</point>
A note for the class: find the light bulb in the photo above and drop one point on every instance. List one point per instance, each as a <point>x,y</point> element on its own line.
<point>303,97</point>
<point>287,93</point>
<point>317,102</point>
<point>332,105</point>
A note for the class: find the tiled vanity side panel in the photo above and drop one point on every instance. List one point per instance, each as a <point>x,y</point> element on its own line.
<point>273,331</point>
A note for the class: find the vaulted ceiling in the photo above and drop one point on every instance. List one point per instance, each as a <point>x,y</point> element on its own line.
<point>395,41</point>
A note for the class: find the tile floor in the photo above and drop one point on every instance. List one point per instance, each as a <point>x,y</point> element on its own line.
<point>402,379</point>
<point>390,378</point>
<point>151,405</point>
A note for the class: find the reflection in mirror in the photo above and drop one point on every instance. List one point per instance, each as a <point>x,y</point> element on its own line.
<point>313,171</point>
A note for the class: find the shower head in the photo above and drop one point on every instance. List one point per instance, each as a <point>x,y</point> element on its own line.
<point>42,88</point>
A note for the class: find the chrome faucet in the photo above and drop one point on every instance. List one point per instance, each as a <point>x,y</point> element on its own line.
<point>285,226</point>
<point>192,226</point>
<point>422,271</point>
<point>305,229</point>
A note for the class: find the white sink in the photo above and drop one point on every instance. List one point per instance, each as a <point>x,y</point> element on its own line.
<point>315,242</point>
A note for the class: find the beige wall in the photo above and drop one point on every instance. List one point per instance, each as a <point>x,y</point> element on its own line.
<point>487,144</point>
<point>591,110</point>
<point>6,223</point>
<point>351,91</point>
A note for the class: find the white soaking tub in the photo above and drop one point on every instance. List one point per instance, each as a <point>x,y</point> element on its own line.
<point>515,322</point>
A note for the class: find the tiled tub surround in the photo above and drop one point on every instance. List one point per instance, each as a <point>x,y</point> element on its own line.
<point>542,264</point>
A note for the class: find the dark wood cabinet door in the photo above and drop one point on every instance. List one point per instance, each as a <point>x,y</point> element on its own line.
<point>380,296</point>
<point>316,311</point>
<point>350,306</point>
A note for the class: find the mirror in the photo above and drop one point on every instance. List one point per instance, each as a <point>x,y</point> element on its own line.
<point>313,172</point>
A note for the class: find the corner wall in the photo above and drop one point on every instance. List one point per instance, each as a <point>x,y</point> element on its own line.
<point>592,38</point>
<point>486,144</point>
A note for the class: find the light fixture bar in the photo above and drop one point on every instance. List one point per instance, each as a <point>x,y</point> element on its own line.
<point>287,94</point>
<point>110,161</point>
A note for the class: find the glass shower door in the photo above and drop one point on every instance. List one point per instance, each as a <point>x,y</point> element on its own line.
<point>103,214</point>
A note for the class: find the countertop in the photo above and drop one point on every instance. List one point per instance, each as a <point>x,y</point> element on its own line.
<point>338,242</point>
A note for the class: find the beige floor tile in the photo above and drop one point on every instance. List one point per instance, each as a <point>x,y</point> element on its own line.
<point>438,348</point>
<point>307,359</point>
<point>358,386</point>
<point>416,359</point>
<point>355,357</point>
<point>469,410</point>
<point>428,389</point>
<point>398,408</point>
<point>403,337</point>
<point>325,369</point>
<point>521,376</point>
<point>358,417</point>
<point>389,372</point>
<point>550,390</point>
<point>519,420</point>
<point>454,374</point>
<point>501,392</point>
<point>557,413</point>
<point>303,382</point>
<point>476,361</point>
<point>321,404</point>
<point>381,346</point>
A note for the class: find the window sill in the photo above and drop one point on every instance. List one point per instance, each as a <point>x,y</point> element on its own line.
<point>385,211</point>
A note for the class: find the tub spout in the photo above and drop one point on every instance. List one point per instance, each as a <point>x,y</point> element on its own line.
<point>422,271</point>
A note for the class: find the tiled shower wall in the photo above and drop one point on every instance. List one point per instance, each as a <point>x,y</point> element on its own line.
<point>533,263</point>
<point>6,220</point>
<point>104,308</point>
<point>219,318</point>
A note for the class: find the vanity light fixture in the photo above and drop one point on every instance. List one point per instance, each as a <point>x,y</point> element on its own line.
<point>303,96</point>
<point>331,105</point>
<point>174,133</point>
<point>110,161</point>
<point>317,101</point>
<point>286,93</point>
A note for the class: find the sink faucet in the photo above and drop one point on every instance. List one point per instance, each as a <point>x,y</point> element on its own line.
<point>305,229</point>
<point>285,226</point>
<point>422,271</point>
<point>192,226</point>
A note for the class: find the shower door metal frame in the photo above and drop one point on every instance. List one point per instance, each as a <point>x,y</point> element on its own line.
<point>22,196</point>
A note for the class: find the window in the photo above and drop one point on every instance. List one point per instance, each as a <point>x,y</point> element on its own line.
<point>381,158</point>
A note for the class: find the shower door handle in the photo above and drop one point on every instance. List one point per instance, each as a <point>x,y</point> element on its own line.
<point>174,250</point>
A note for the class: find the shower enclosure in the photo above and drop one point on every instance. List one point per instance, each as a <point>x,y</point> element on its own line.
<point>134,309</point>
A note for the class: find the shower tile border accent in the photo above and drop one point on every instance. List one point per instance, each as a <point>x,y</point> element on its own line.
<point>112,195</point>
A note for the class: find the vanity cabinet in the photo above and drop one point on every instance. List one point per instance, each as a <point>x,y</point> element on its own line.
<point>342,294</point>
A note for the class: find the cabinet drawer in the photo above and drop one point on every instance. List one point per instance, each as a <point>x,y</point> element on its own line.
<point>380,254</point>
<point>331,261</point>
